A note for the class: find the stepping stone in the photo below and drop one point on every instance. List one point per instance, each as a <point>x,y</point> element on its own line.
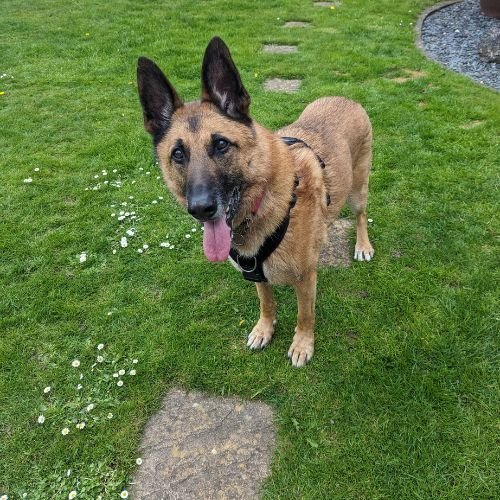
<point>198,446</point>
<point>327,4</point>
<point>280,85</point>
<point>296,24</point>
<point>335,251</point>
<point>280,49</point>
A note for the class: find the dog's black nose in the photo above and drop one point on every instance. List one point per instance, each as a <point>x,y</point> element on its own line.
<point>202,205</point>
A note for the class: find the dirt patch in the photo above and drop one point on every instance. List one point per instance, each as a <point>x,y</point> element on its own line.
<point>280,85</point>
<point>410,74</point>
<point>472,124</point>
<point>205,447</point>
<point>280,49</point>
<point>335,251</point>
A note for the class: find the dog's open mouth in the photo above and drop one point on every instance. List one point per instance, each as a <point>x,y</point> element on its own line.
<point>217,234</point>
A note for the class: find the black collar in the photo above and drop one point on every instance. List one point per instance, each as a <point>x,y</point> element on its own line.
<point>252,267</point>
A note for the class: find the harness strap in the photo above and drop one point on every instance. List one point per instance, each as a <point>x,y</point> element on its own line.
<point>252,267</point>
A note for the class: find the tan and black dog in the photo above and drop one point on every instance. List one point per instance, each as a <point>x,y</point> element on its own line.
<point>265,198</point>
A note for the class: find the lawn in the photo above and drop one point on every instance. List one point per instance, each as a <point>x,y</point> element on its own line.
<point>401,399</point>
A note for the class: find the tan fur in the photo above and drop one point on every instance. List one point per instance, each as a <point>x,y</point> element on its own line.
<point>336,129</point>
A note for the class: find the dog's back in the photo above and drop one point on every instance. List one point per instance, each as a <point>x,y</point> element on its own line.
<point>338,130</point>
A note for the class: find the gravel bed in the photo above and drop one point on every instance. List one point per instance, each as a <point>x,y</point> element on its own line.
<point>452,36</point>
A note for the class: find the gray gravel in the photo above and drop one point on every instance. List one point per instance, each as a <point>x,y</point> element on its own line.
<point>452,36</point>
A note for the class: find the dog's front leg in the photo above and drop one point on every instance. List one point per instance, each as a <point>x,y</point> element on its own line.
<point>302,347</point>
<point>263,331</point>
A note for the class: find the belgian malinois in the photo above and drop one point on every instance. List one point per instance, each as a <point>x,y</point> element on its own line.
<point>265,198</point>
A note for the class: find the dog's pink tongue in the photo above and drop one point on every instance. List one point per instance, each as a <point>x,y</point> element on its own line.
<point>216,240</point>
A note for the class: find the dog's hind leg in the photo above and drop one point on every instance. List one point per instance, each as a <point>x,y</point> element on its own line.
<point>358,198</point>
<point>263,331</point>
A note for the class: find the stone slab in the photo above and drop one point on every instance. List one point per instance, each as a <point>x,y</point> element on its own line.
<point>327,4</point>
<point>296,24</point>
<point>198,446</point>
<point>336,250</point>
<point>280,49</point>
<point>280,85</point>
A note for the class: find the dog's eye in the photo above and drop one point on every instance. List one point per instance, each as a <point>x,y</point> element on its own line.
<point>221,145</point>
<point>178,155</point>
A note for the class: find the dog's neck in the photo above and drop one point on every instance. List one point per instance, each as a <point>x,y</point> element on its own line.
<point>268,201</point>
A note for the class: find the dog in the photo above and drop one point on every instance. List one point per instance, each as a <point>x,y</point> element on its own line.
<point>265,199</point>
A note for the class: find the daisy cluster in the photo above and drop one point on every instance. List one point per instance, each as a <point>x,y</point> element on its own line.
<point>129,215</point>
<point>98,387</point>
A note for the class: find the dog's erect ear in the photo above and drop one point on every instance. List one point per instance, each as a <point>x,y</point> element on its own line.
<point>221,82</point>
<point>158,98</point>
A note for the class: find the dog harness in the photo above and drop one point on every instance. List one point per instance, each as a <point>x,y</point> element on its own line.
<point>252,267</point>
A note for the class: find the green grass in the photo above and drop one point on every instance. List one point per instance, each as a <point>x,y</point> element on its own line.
<point>401,399</point>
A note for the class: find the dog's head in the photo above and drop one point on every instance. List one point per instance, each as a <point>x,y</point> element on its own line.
<point>207,148</point>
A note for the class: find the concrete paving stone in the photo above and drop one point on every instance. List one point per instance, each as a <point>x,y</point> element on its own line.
<point>199,446</point>
<point>280,49</point>
<point>335,251</point>
<point>281,85</point>
<point>327,4</point>
<point>296,24</point>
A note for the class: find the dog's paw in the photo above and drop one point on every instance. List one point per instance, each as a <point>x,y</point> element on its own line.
<point>364,253</point>
<point>301,350</point>
<point>261,334</point>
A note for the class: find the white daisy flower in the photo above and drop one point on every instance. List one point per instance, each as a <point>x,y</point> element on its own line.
<point>140,250</point>
<point>47,389</point>
<point>124,494</point>
<point>37,169</point>
<point>121,372</point>
<point>123,242</point>
<point>4,497</point>
<point>187,236</point>
<point>138,461</point>
<point>154,202</point>
<point>124,204</point>
<point>130,232</point>
<point>90,407</point>
<point>148,173</point>
<point>140,168</point>
<point>75,363</point>
<point>132,372</point>
<point>109,313</point>
<point>145,246</point>
<point>121,217</point>
<point>29,180</point>
<point>68,472</point>
<point>135,361</point>
<point>100,347</point>
<point>83,257</point>
<point>100,359</point>
<point>79,387</point>
<point>164,244</point>
<point>72,494</point>
<point>113,214</point>
<point>81,425</point>
<point>65,431</point>
<point>115,375</point>
<point>114,170</point>
<point>119,383</point>
<point>41,419</point>
<point>110,416</point>
<point>114,252</point>
<point>193,230</point>
<point>160,197</point>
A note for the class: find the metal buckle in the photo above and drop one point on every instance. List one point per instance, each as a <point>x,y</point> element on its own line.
<point>247,270</point>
